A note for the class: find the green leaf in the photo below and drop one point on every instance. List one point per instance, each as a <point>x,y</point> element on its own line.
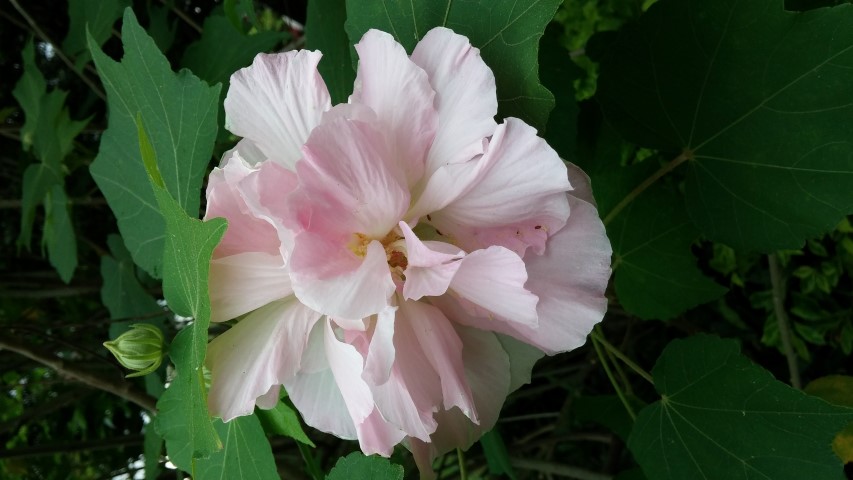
<point>759,109</point>
<point>837,390</point>
<point>722,417</point>
<point>223,49</point>
<point>558,73</point>
<point>59,235</point>
<point>180,114</point>
<point>496,454</point>
<point>506,32</point>
<point>245,455</point>
<point>38,180</point>
<point>152,448</point>
<point>161,27</point>
<point>656,274</point>
<point>282,420</point>
<point>28,92</point>
<point>607,411</point>
<point>183,420</point>
<point>241,13</point>
<point>95,16</point>
<point>324,31</point>
<point>356,466</point>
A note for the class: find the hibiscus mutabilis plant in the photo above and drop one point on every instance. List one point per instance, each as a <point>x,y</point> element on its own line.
<point>399,262</point>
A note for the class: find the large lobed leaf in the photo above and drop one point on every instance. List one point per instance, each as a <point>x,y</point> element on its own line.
<point>246,453</point>
<point>721,417</point>
<point>506,32</point>
<point>756,98</point>
<point>180,113</point>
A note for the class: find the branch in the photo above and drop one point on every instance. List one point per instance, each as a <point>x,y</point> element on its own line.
<point>782,319</point>
<point>123,389</point>
<point>104,444</point>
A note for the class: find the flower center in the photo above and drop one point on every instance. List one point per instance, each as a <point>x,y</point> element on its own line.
<point>395,249</point>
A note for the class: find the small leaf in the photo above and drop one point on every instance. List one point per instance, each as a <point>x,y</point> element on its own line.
<point>324,31</point>
<point>121,291</point>
<point>180,114</point>
<point>707,80</point>
<point>721,417</point>
<point>245,454</point>
<point>282,420</point>
<point>497,456</point>
<point>506,32</point>
<point>356,466</point>
<point>241,14</point>
<point>152,448</point>
<point>95,16</point>
<point>59,235</point>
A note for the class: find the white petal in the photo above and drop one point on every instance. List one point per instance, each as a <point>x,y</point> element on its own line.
<point>241,283</point>
<point>276,102</point>
<point>270,399</point>
<point>429,271</point>
<point>466,98</point>
<point>493,280</point>
<point>260,351</point>
<point>381,353</point>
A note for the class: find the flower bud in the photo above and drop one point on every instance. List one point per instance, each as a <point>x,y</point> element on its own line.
<point>140,349</point>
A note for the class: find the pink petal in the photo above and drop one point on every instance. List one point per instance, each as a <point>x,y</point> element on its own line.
<point>260,351</point>
<point>350,181</point>
<point>517,197</point>
<point>429,272</point>
<point>400,94</point>
<point>570,280</point>
<point>347,365</point>
<point>492,281</point>
<point>357,294</point>
<point>466,98</point>
<point>381,352</point>
<point>270,399</point>
<point>247,232</point>
<point>436,336</point>
<point>241,283</point>
<point>276,102</point>
<point>266,192</point>
<point>378,436</point>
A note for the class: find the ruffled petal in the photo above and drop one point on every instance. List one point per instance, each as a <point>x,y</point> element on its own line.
<point>466,98</point>
<point>260,351</point>
<point>429,271</point>
<point>517,198</point>
<point>570,280</point>
<point>241,283</point>
<point>276,102</point>
<point>381,351</point>
<point>360,293</point>
<point>270,399</point>
<point>386,81</point>
<point>349,181</point>
<point>247,232</point>
<point>436,335</point>
<point>491,282</point>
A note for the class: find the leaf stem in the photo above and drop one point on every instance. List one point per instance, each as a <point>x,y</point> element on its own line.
<point>463,474</point>
<point>311,465</point>
<point>599,337</point>
<point>38,31</point>
<point>778,284</point>
<point>672,165</point>
<point>603,359</point>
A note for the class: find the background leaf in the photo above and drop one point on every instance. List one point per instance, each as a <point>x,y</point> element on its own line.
<point>180,113</point>
<point>722,417</point>
<point>245,454</point>
<point>58,234</point>
<point>96,16</point>
<point>324,31</point>
<point>506,32</point>
<point>754,98</point>
<point>282,420</point>
<point>356,466</point>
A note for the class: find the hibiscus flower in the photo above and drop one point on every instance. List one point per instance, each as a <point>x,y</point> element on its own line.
<point>399,262</point>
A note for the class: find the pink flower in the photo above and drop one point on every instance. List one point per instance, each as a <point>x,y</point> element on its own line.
<point>398,262</point>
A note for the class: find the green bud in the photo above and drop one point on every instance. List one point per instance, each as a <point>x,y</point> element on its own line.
<point>140,349</point>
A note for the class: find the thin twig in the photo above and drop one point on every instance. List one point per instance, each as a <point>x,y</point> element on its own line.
<point>557,469</point>
<point>603,359</point>
<point>672,165</point>
<point>183,16</point>
<point>782,319</point>
<point>122,389</point>
<point>621,356</point>
<point>34,26</point>
<point>76,446</point>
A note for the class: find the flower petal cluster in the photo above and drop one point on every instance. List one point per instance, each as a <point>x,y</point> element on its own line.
<point>398,262</point>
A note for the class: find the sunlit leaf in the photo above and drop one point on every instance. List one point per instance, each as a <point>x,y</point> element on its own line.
<point>721,417</point>
<point>506,32</point>
<point>179,111</point>
<point>837,390</point>
<point>356,466</point>
<point>245,454</point>
<point>756,99</point>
